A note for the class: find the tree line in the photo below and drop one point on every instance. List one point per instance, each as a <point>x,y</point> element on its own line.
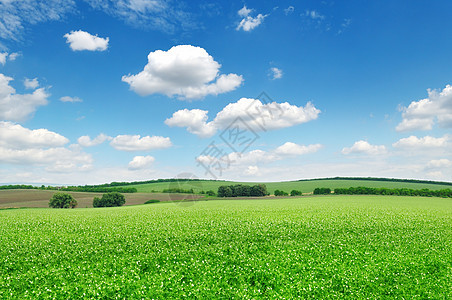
<point>242,190</point>
<point>445,193</point>
<point>382,179</point>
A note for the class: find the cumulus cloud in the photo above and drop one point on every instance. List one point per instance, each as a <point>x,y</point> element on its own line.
<point>255,157</point>
<point>31,84</point>
<point>81,40</point>
<point>19,107</point>
<point>195,120</point>
<point>276,73</point>
<point>140,162</point>
<point>41,147</point>
<point>363,147</point>
<point>86,141</point>
<point>290,148</point>
<point>248,22</point>
<point>185,71</point>
<point>424,142</point>
<point>252,170</point>
<point>423,114</point>
<point>15,136</point>
<point>4,56</point>
<point>70,99</point>
<point>138,143</point>
<point>253,114</point>
<point>439,163</point>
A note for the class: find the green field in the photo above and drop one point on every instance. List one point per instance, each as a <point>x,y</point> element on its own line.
<point>287,186</point>
<point>355,247</point>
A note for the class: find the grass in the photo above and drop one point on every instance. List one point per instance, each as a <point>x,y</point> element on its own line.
<point>40,198</point>
<point>303,186</point>
<point>326,247</point>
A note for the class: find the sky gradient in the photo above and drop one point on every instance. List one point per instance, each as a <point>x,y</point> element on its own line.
<point>97,91</point>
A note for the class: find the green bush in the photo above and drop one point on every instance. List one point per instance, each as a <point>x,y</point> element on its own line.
<point>280,193</point>
<point>109,200</point>
<point>210,193</point>
<point>296,193</point>
<point>62,200</point>
<point>151,201</point>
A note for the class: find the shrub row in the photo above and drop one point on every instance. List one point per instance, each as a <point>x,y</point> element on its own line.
<point>445,193</point>
<point>241,190</point>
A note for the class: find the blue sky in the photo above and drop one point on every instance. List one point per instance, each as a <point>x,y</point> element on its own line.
<point>100,91</point>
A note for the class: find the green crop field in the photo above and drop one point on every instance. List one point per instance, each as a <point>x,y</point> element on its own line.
<point>326,247</point>
<point>304,186</point>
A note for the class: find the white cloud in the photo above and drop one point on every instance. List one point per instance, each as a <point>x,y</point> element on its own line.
<point>15,136</point>
<point>439,163</point>
<point>252,170</point>
<point>70,99</point>
<point>255,157</point>
<point>276,73</point>
<point>13,56</point>
<point>3,57</point>
<point>31,83</point>
<point>244,12</point>
<point>363,147</point>
<point>185,71</point>
<point>253,113</point>
<point>423,114</point>
<point>162,15</point>
<point>6,56</point>
<point>289,10</point>
<point>290,148</point>
<point>86,141</point>
<point>138,143</point>
<point>424,142</point>
<point>314,15</point>
<point>19,107</point>
<point>81,40</point>
<point>248,23</point>
<point>55,159</point>
<point>140,162</point>
<point>195,120</point>
<point>16,15</point>
<point>40,147</point>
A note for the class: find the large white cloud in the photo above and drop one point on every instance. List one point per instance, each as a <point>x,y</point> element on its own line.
<point>86,141</point>
<point>363,147</point>
<point>15,136</point>
<point>414,142</point>
<point>423,114</point>
<point>140,162</point>
<point>19,107</point>
<point>40,147</point>
<point>248,22</point>
<point>185,71</point>
<point>81,40</point>
<point>138,143</point>
<point>253,113</point>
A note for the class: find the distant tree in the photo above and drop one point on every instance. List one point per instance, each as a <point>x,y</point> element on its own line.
<point>62,200</point>
<point>109,200</point>
<point>322,191</point>
<point>296,193</point>
<point>210,193</point>
<point>280,193</point>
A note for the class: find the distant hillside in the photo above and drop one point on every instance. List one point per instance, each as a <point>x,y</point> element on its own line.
<point>305,186</point>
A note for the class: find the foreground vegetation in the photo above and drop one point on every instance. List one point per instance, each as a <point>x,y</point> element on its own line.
<point>312,247</point>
